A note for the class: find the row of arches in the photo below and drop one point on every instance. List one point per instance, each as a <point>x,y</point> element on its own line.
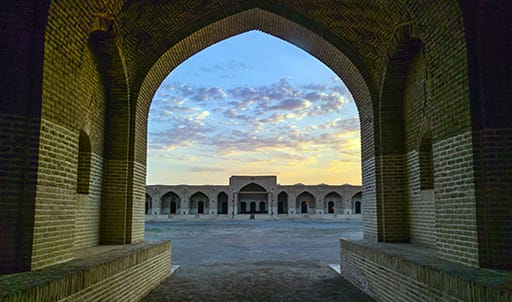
<point>305,203</point>
<point>199,203</point>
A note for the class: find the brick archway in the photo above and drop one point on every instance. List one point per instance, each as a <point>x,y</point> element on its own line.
<point>63,76</point>
<point>336,53</point>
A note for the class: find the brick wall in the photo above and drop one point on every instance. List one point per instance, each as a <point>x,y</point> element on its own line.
<point>389,272</point>
<point>54,217</point>
<point>489,44</point>
<point>70,103</point>
<point>88,211</point>
<point>18,159</point>
<point>369,204</point>
<point>74,100</point>
<point>420,198</point>
<point>494,209</point>
<point>435,99</point>
<point>22,25</point>
<point>456,232</point>
<point>137,199</point>
<point>124,273</point>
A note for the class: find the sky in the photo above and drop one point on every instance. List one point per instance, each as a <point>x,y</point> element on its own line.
<point>253,105</point>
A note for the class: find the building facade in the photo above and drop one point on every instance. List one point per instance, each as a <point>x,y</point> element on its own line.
<point>252,196</point>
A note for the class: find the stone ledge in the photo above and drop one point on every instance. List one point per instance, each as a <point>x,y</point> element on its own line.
<point>91,269</point>
<point>392,272</point>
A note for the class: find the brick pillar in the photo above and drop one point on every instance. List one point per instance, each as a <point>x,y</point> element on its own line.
<point>156,202</point>
<point>269,203</point>
<point>274,202</point>
<point>488,32</point>
<point>183,204</point>
<point>392,204</point>
<point>235,204</point>
<point>22,28</point>
<point>115,212</point>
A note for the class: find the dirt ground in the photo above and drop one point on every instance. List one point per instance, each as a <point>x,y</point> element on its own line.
<point>255,261</point>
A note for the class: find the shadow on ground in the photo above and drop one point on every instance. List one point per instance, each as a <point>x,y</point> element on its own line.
<point>257,281</point>
<point>255,261</point>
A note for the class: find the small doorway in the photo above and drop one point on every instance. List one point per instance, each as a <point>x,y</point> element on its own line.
<point>173,207</point>
<point>358,207</point>
<point>331,207</point>
<point>200,208</point>
<point>304,207</point>
<point>253,207</point>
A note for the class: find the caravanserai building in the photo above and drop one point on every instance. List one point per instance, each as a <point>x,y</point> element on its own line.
<point>251,196</point>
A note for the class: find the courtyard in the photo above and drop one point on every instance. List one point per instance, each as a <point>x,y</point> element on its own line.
<point>255,260</point>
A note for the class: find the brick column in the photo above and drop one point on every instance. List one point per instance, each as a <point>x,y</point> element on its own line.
<point>269,203</point>
<point>21,57</point>
<point>156,202</point>
<point>235,204</point>
<point>392,204</point>
<point>184,205</point>
<point>118,173</point>
<point>488,32</point>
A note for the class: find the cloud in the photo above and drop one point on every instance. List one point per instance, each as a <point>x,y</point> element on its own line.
<point>171,156</point>
<point>228,66</point>
<point>189,131</point>
<point>197,169</point>
<point>202,115</point>
<point>287,122</point>
<point>276,118</point>
<point>347,124</point>
<point>310,100</point>
<point>291,105</point>
<point>327,104</point>
<point>203,94</point>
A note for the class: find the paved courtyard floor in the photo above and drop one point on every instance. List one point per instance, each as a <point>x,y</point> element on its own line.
<point>255,260</point>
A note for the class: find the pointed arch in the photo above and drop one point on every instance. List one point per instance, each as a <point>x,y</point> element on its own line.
<point>357,199</point>
<point>199,203</point>
<point>222,203</point>
<point>253,187</point>
<point>148,205</point>
<point>333,51</point>
<point>84,164</point>
<point>282,203</point>
<point>170,203</point>
<point>305,202</point>
<point>391,204</point>
<point>333,203</point>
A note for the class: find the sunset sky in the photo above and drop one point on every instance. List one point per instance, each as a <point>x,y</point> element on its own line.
<point>253,105</point>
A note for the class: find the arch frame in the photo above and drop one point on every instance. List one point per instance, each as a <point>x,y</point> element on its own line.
<point>332,50</point>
